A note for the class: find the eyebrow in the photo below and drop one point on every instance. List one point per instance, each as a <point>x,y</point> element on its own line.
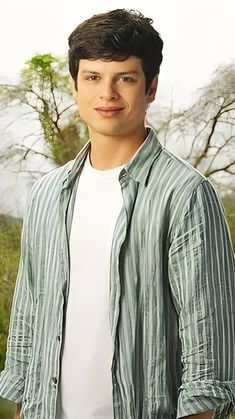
<point>120,73</point>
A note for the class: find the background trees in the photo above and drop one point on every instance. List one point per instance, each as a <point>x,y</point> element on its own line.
<point>204,134</point>
<point>44,90</point>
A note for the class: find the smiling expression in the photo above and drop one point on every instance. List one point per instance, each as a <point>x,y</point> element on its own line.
<point>111,96</point>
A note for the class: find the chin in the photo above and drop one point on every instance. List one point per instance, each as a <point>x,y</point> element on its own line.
<point>109,130</point>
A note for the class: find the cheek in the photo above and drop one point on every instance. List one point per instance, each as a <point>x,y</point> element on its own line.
<point>84,95</point>
<point>139,104</point>
<point>83,102</point>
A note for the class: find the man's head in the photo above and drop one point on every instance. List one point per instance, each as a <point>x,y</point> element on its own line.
<point>115,36</point>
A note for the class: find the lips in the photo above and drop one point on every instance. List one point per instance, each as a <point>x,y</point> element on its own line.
<point>108,111</point>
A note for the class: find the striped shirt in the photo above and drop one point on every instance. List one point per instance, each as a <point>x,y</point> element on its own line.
<point>172,293</point>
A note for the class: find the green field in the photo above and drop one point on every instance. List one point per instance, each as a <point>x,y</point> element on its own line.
<point>6,409</point>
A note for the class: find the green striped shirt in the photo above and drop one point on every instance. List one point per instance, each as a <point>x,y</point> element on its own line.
<point>172,293</point>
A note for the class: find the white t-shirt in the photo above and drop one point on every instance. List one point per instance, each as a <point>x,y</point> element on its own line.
<point>85,390</point>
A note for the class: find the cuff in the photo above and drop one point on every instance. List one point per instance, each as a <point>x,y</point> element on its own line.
<point>200,396</point>
<point>11,386</point>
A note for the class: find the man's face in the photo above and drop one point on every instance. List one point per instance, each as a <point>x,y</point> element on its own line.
<point>111,96</point>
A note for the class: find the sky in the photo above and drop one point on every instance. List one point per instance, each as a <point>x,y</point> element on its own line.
<point>198,36</point>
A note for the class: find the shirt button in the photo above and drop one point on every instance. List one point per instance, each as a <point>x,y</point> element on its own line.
<point>58,337</point>
<point>54,379</point>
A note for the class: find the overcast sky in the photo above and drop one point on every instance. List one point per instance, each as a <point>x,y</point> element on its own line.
<point>198,36</point>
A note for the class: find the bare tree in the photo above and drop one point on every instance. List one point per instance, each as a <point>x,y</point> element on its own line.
<point>204,134</point>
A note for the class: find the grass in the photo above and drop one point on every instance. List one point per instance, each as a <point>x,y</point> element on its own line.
<point>7,409</point>
<point>229,204</point>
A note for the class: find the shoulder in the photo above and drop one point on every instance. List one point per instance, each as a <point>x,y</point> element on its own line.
<point>188,181</point>
<point>46,192</point>
<point>51,183</point>
<point>181,170</point>
<point>174,178</point>
<point>182,188</point>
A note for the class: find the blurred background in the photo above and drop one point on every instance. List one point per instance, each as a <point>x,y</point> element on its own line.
<point>194,111</point>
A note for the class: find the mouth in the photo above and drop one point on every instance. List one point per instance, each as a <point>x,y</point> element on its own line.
<point>108,111</point>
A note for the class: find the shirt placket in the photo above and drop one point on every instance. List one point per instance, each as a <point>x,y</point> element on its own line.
<point>129,189</point>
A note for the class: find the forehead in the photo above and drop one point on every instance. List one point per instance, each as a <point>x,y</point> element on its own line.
<point>131,64</point>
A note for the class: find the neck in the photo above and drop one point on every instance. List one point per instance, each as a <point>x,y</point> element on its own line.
<point>108,152</point>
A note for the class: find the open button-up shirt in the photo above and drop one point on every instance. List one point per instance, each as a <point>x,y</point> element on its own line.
<point>172,293</point>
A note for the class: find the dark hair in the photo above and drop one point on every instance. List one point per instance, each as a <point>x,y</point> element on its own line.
<point>114,36</point>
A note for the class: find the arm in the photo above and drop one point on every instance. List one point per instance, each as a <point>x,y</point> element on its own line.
<point>202,279</point>
<point>12,378</point>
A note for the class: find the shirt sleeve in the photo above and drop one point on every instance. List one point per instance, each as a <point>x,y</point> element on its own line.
<point>202,279</point>
<point>19,343</point>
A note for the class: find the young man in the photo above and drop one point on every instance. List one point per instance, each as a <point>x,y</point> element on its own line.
<point>124,303</point>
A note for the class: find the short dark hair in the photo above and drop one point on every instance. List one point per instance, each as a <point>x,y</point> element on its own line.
<point>114,36</point>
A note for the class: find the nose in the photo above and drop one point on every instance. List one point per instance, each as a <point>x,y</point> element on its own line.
<point>108,91</point>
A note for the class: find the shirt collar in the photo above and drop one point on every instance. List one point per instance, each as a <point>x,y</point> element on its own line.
<point>74,167</point>
<point>140,165</point>
<point>138,168</point>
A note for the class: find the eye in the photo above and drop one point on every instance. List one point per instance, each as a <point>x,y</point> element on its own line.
<point>127,79</point>
<point>92,77</point>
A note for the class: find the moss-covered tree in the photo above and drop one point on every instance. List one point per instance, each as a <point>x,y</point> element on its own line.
<point>44,87</point>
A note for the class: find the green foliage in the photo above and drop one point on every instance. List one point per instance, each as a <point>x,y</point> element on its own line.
<point>7,409</point>
<point>42,63</point>
<point>74,137</point>
<point>45,88</point>
<point>45,74</point>
<point>229,204</point>
<point>10,230</point>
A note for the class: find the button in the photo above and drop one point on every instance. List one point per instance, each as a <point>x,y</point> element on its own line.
<point>58,337</point>
<point>54,379</point>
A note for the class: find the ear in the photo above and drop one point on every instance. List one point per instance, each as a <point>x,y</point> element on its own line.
<point>152,90</point>
<point>72,87</point>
